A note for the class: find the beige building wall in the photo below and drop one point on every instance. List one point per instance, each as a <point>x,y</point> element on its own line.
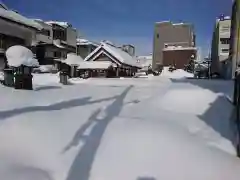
<point>181,34</point>
<point>220,46</point>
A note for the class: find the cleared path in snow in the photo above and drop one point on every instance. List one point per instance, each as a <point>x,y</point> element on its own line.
<point>130,129</point>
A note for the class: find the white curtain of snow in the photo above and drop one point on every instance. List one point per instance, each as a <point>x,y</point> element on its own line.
<point>20,55</point>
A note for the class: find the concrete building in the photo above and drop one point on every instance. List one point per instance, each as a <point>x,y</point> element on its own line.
<point>15,30</point>
<point>85,47</point>
<point>168,35</point>
<point>55,41</point>
<point>220,46</point>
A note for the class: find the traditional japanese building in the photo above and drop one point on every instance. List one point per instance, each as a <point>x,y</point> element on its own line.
<point>113,60</point>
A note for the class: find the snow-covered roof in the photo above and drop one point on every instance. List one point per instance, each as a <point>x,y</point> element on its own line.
<point>63,24</point>
<point>13,16</point>
<point>178,48</point>
<point>81,41</point>
<point>118,53</point>
<point>19,55</point>
<point>95,65</point>
<point>73,59</point>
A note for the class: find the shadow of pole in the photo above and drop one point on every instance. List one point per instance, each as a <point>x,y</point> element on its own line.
<point>53,107</point>
<point>83,161</point>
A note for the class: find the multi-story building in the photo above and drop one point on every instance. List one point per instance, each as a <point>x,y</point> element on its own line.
<point>173,44</point>
<point>130,49</point>
<point>55,41</point>
<point>220,46</point>
<point>85,47</point>
<point>15,30</point>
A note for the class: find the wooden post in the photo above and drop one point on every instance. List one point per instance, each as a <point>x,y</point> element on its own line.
<point>117,73</point>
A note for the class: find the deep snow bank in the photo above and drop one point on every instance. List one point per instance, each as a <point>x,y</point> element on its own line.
<point>177,74</point>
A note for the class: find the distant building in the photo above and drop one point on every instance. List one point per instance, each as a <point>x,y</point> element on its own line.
<point>85,47</point>
<point>15,30</point>
<point>220,45</point>
<point>130,49</point>
<point>173,44</point>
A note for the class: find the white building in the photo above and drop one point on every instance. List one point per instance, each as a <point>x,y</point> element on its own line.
<point>220,45</point>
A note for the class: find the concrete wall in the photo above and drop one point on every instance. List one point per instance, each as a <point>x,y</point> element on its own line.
<point>19,31</point>
<point>71,36</point>
<point>173,34</point>
<point>43,38</point>
<point>15,30</point>
<point>179,58</point>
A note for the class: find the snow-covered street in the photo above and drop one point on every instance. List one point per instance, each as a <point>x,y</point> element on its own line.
<point>118,129</point>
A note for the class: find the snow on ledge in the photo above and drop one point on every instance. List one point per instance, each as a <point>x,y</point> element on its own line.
<point>20,55</point>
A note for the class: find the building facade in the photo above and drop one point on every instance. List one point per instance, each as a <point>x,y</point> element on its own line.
<point>220,46</point>
<point>15,30</point>
<point>168,34</point>
<point>85,47</point>
<point>55,41</point>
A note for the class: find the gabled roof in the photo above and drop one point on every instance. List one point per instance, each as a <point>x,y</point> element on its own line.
<point>18,18</point>
<point>114,51</point>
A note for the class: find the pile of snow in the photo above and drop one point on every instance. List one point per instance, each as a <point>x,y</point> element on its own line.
<point>20,55</point>
<point>63,24</point>
<point>81,41</point>
<point>45,69</point>
<point>77,80</point>
<point>177,74</point>
<point>73,59</point>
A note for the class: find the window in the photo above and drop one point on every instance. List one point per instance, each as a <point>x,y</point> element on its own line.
<point>225,50</point>
<point>225,40</point>
<point>45,32</point>
<point>57,54</point>
<point>59,34</point>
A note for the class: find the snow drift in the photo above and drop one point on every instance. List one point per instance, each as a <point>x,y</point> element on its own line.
<point>19,55</point>
<point>177,74</point>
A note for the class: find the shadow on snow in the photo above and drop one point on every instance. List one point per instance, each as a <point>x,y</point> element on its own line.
<point>220,114</point>
<point>83,161</point>
<point>53,107</point>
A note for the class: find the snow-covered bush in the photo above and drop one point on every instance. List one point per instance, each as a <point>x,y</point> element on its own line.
<point>20,55</point>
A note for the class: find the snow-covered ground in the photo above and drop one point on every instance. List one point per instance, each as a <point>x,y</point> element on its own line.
<point>111,129</point>
<point>177,74</point>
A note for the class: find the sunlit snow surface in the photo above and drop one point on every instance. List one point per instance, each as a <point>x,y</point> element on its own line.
<point>110,129</point>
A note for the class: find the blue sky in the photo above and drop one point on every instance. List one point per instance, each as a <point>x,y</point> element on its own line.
<point>127,21</point>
